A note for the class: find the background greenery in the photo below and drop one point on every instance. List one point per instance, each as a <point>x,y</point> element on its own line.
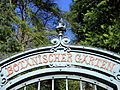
<point>24,24</point>
<point>96,23</point>
<point>28,24</point>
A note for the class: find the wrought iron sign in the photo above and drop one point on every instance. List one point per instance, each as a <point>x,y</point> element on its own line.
<point>62,58</point>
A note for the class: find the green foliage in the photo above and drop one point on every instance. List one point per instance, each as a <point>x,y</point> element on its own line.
<point>33,86</point>
<point>23,24</point>
<point>46,85</point>
<point>74,84</point>
<point>96,23</point>
<point>60,84</point>
<point>6,31</point>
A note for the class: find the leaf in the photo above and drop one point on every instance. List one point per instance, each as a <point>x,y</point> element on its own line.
<point>106,35</point>
<point>102,3</point>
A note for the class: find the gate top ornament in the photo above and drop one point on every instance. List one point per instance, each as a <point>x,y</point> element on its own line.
<point>61,41</point>
<point>60,58</point>
<point>61,28</point>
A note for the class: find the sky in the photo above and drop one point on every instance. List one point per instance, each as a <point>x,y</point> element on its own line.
<point>64,4</point>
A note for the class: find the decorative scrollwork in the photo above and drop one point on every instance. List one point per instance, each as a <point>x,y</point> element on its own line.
<point>65,41</point>
<point>118,77</point>
<point>117,72</point>
<point>3,79</point>
<point>59,65</point>
<point>55,41</point>
<point>60,42</point>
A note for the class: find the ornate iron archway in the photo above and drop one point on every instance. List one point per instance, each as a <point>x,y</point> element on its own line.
<point>61,61</point>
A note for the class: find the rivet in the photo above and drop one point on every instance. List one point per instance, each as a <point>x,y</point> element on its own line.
<point>111,79</point>
<point>2,75</point>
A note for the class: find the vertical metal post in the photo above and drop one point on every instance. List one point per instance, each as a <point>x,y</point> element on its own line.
<point>53,83</point>
<point>95,87</point>
<point>25,87</point>
<point>39,85</point>
<point>81,88</point>
<point>66,84</point>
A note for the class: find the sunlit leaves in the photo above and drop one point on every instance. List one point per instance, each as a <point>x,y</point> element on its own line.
<point>97,23</point>
<point>102,3</point>
<point>23,24</point>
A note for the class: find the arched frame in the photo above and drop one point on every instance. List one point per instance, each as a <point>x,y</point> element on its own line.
<point>59,61</point>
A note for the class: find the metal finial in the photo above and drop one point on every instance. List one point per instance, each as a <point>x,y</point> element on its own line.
<point>61,27</point>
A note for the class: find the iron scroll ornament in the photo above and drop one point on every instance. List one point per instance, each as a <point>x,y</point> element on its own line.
<point>60,41</point>
<point>63,42</point>
<point>117,73</point>
<point>3,79</point>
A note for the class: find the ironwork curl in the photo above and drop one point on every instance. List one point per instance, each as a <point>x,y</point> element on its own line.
<point>63,41</point>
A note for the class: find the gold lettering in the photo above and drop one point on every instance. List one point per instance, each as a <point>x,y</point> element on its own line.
<point>10,70</point>
<point>28,63</point>
<point>63,57</point>
<point>110,66</point>
<point>15,67</point>
<point>49,57</point>
<point>57,56</point>
<point>77,57</point>
<point>103,64</point>
<point>34,60</point>
<point>84,60</point>
<point>45,58</point>
<point>69,57</point>
<point>98,60</point>
<point>39,57</point>
<point>21,64</point>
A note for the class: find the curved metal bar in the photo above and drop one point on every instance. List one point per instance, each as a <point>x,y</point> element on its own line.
<point>67,63</point>
<point>63,47</point>
<point>63,76</point>
<point>99,51</point>
<point>64,70</point>
<point>85,48</point>
<point>24,53</point>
